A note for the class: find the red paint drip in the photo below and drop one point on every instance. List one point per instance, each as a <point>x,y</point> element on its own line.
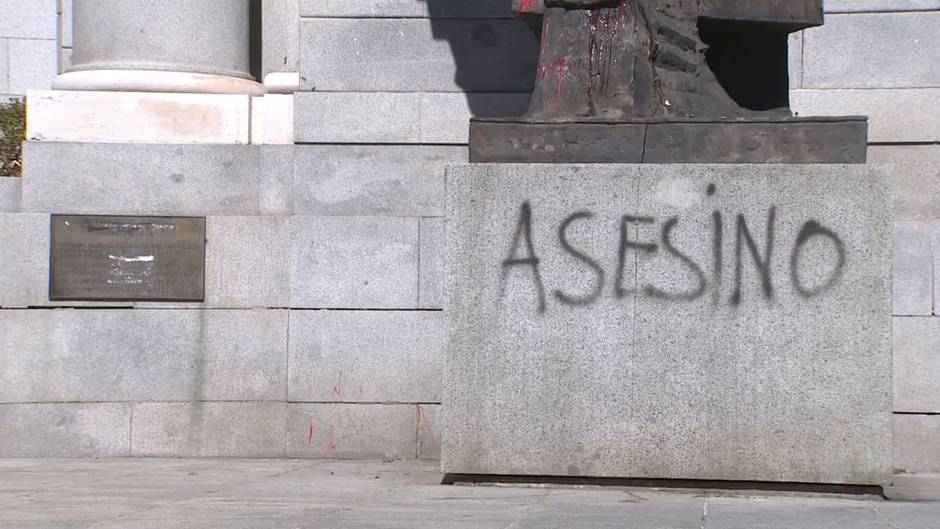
<point>559,68</point>
<point>338,388</point>
<point>427,425</point>
<point>310,435</point>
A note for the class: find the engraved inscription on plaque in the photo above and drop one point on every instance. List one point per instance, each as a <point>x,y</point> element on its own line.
<point>107,258</point>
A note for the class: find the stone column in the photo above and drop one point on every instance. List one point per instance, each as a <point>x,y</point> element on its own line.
<point>194,46</point>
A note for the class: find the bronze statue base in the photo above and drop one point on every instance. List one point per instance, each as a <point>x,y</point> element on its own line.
<point>786,140</point>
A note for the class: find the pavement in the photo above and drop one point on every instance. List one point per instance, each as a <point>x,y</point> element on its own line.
<point>290,494</point>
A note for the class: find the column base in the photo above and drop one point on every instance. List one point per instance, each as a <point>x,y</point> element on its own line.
<point>155,81</point>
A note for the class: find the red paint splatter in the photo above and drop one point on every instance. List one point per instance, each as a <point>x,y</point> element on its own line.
<point>332,447</point>
<point>310,435</point>
<point>427,425</point>
<point>559,67</point>
<point>527,6</point>
<point>338,388</point>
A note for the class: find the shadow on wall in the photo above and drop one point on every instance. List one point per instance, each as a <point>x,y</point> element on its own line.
<point>496,58</point>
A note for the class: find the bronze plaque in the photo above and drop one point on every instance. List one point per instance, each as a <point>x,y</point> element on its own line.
<point>107,258</point>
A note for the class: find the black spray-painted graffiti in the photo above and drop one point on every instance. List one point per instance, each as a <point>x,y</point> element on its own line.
<point>522,254</point>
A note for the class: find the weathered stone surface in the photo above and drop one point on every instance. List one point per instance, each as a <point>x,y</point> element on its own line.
<point>917,365</point>
<point>365,356</point>
<point>277,179</point>
<point>137,117</point>
<point>915,443</point>
<point>384,117</point>
<point>372,180</point>
<point>917,180</point>
<point>398,54</point>
<point>354,262</point>
<point>248,261</point>
<point>24,257</point>
<point>272,119</point>
<point>809,140</point>
<point>65,430</point>
<point>10,195</point>
<point>912,283</point>
<point>795,54</point>
<point>879,50</point>
<point>126,179</point>
<point>150,355</point>
<point>4,71</point>
<point>209,37</point>
<point>868,6</point>
<point>32,64</point>
<point>912,487</point>
<point>28,19</point>
<point>650,366</point>
<point>817,512</point>
<point>65,23</point>
<point>279,35</point>
<point>351,431</point>
<point>429,431</point>
<point>405,8</point>
<point>209,429</point>
<point>431,275</point>
<point>894,115</point>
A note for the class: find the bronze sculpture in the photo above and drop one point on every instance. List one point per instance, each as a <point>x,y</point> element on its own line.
<point>612,70</point>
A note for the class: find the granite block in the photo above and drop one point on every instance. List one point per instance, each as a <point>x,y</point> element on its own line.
<point>248,261</point>
<point>337,180</point>
<point>591,332</point>
<point>413,55</point>
<point>385,117</point>
<point>917,365</point>
<point>795,52</point>
<point>279,36</point>
<point>917,179</point>
<point>28,19</point>
<point>272,119</point>
<point>24,258</point>
<point>209,429</point>
<point>429,431</point>
<point>365,356</point>
<point>127,179</point>
<point>137,117</point>
<point>10,190</point>
<point>405,9</point>
<point>351,431</point>
<point>916,449</point>
<point>65,23</point>
<point>878,50</point>
<point>912,283</point>
<point>33,64</point>
<point>894,115</point>
<point>65,430</point>
<point>431,273</point>
<point>4,69</point>
<point>277,179</point>
<point>150,355</point>
<point>354,262</point>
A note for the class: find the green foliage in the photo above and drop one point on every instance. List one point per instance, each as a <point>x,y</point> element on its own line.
<point>12,135</point>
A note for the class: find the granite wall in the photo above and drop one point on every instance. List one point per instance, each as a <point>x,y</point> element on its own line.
<point>28,45</point>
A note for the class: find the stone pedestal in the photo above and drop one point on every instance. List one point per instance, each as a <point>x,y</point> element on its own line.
<point>179,46</point>
<point>674,322</point>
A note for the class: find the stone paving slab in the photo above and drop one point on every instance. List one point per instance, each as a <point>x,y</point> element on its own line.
<point>263,494</point>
